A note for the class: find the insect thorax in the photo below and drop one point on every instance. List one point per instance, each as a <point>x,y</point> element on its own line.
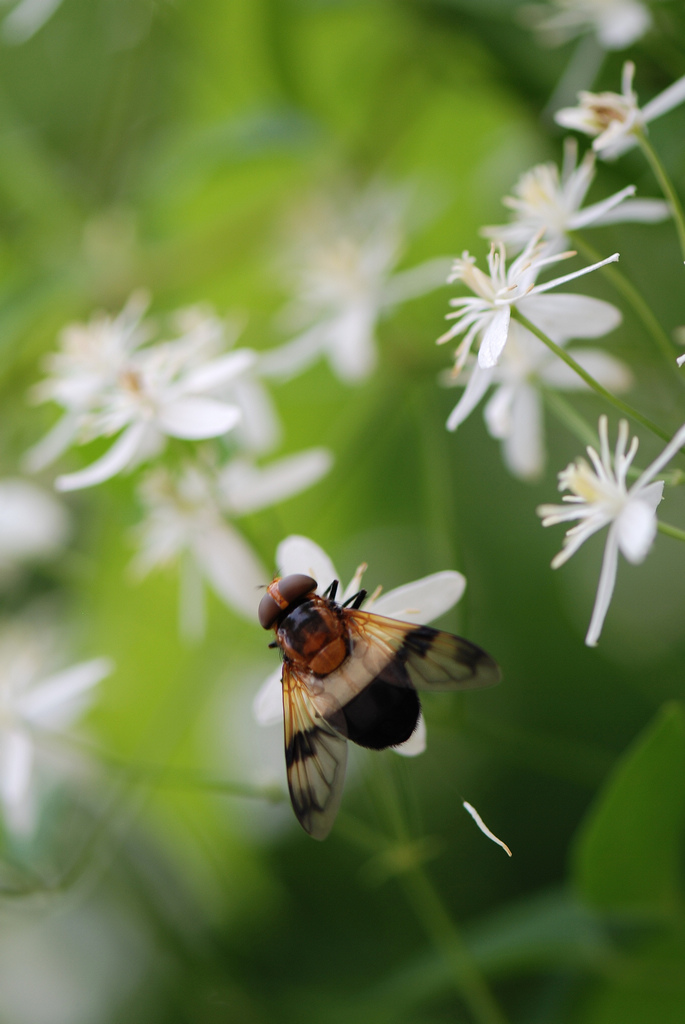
<point>313,636</point>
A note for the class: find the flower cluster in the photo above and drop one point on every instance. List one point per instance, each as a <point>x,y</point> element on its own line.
<point>516,338</point>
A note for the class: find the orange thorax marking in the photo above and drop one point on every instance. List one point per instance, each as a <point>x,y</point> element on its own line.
<point>313,636</point>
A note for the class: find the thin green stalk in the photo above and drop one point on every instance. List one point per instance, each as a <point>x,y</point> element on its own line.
<point>666,186</point>
<point>598,388</point>
<point>639,304</point>
<point>670,531</point>
<point>571,419</point>
<point>441,929</point>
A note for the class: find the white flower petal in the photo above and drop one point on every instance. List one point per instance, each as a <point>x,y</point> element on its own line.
<point>424,599</point>
<point>494,338</point>
<point>478,383</point>
<point>112,462</point>
<point>605,589</point>
<point>607,370</point>
<point>33,524</point>
<point>351,344</point>
<point>524,450</point>
<point>248,488</point>
<point>643,211</point>
<point>16,761</point>
<point>416,744</point>
<point>665,101</point>
<point>26,18</point>
<point>565,316</point>
<point>50,447</point>
<point>286,361</point>
<point>231,567</point>
<point>636,524</point>
<point>409,284</point>
<point>59,698</point>
<point>268,703</point>
<point>194,419</point>
<point>219,372</point>
<point>298,554</point>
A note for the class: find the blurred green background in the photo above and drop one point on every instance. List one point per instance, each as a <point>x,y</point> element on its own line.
<point>164,144</point>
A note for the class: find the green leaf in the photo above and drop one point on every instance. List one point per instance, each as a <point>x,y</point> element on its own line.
<point>628,850</point>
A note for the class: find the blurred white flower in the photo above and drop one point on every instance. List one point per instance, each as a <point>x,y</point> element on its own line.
<point>615,23</point>
<point>486,316</point>
<point>549,205</point>
<point>599,497</point>
<point>35,700</point>
<point>514,412</point>
<point>26,18</point>
<point>615,119</point>
<point>90,359</point>
<point>186,519</point>
<point>419,602</point>
<point>343,271</point>
<point>109,383</point>
<point>258,430</point>
<point>34,525</point>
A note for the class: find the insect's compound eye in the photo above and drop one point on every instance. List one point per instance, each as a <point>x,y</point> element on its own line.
<point>297,585</point>
<point>268,611</point>
<point>282,593</point>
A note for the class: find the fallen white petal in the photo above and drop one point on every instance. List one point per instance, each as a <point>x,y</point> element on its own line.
<point>484,828</point>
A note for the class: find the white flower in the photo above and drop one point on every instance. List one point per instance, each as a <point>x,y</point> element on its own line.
<point>35,700</point>
<point>550,205</point>
<point>345,283</point>
<point>616,120</point>
<point>90,358</point>
<point>513,414</point>
<point>258,430</point>
<point>487,315</point>
<point>600,498</point>
<point>186,519</point>
<point>110,379</point>
<point>419,602</point>
<point>617,24</point>
<point>33,525</point>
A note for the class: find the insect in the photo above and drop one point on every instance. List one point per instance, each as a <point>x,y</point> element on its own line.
<point>351,675</point>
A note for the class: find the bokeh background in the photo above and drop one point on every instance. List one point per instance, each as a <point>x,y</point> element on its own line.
<point>171,145</point>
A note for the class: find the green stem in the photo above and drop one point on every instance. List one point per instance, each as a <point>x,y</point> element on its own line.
<point>670,531</point>
<point>439,926</point>
<point>598,388</point>
<point>572,420</point>
<point>640,306</point>
<point>665,185</point>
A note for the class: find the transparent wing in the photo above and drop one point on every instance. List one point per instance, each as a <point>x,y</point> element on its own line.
<point>403,654</point>
<point>315,758</point>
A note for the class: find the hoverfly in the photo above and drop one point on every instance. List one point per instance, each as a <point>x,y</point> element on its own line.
<point>351,675</point>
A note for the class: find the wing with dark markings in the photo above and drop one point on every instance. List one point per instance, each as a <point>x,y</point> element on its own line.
<point>401,654</point>
<point>315,758</point>
<point>431,658</point>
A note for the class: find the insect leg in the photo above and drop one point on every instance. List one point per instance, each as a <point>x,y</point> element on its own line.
<point>356,600</point>
<point>332,590</point>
